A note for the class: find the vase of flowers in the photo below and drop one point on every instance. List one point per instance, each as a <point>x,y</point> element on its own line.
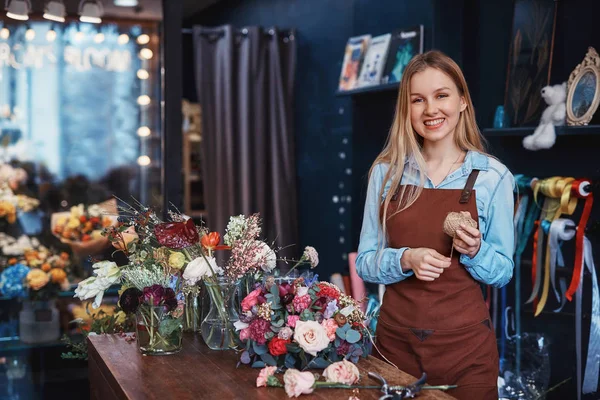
<point>192,314</point>
<point>159,322</point>
<point>218,329</point>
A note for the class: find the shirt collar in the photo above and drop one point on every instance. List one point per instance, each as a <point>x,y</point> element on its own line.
<point>473,160</point>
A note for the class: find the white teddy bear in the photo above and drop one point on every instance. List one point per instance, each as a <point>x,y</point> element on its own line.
<point>554,115</point>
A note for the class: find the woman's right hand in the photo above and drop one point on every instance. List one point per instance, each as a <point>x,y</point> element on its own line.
<point>427,264</point>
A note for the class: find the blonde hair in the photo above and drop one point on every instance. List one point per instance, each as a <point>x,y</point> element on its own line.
<point>404,142</point>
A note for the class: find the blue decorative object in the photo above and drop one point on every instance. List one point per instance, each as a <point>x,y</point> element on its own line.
<point>11,281</point>
<point>499,118</point>
<point>30,222</point>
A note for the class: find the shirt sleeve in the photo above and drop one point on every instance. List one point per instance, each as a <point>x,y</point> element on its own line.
<point>493,264</point>
<point>375,266</point>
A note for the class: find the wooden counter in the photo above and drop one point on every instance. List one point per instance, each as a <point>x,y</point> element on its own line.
<point>117,370</point>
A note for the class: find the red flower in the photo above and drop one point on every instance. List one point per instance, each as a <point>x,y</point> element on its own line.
<point>177,235</point>
<point>277,346</point>
<point>211,241</point>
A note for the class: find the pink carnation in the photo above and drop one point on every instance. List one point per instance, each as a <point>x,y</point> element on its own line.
<point>264,374</point>
<point>244,334</point>
<point>292,319</point>
<point>258,328</point>
<point>331,327</point>
<point>301,302</point>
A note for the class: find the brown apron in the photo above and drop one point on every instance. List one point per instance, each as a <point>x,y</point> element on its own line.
<point>442,327</point>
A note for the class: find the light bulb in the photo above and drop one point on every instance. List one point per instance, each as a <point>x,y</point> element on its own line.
<point>99,37</point>
<point>4,33</point>
<point>143,100</point>
<point>143,131</point>
<point>79,36</point>
<point>143,74</point>
<point>123,39</point>
<point>143,39</point>
<point>144,161</point>
<point>29,34</point>
<point>146,54</point>
<point>51,36</point>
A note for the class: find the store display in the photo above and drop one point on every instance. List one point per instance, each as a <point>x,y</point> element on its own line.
<point>404,45</point>
<point>353,58</point>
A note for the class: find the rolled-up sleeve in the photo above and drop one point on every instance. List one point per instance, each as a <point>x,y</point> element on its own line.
<point>375,266</point>
<point>493,264</point>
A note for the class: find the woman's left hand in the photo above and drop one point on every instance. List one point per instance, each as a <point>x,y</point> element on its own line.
<point>467,240</point>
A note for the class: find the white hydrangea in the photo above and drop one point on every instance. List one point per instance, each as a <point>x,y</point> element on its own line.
<point>311,255</point>
<point>235,228</point>
<point>265,256</point>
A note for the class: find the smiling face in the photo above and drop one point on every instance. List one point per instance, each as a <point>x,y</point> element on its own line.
<point>435,105</point>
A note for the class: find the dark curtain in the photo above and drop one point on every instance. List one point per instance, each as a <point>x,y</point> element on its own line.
<point>245,81</point>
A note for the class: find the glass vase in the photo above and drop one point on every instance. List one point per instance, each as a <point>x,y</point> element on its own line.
<point>158,330</point>
<point>218,331</point>
<point>192,314</point>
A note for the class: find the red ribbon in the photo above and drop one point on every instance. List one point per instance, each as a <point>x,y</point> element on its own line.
<point>534,260</point>
<point>577,189</point>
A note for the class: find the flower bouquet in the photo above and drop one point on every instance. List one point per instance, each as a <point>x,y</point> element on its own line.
<point>81,227</point>
<point>302,324</point>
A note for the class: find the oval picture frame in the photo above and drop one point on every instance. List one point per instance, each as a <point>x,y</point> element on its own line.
<point>583,95</point>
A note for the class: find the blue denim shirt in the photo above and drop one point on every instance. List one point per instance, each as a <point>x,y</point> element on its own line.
<point>492,265</point>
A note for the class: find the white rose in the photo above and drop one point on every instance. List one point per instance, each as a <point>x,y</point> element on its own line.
<point>343,372</point>
<point>301,291</point>
<point>265,256</point>
<point>94,210</point>
<point>107,274</point>
<point>311,336</point>
<point>198,268</point>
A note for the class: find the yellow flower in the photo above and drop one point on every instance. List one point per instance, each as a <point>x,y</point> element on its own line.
<point>37,279</point>
<point>8,211</point>
<point>73,223</point>
<point>120,317</point>
<point>176,260</point>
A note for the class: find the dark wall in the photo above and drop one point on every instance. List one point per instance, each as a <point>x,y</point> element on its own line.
<point>329,165</point>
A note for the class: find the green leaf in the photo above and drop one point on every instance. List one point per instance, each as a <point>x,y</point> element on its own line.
<point>268,359</point>
<point>290,361</point>
<point>259,349</point>
<point>303,358</point>
<point>293,347</point>
<point>275,290</point>
<point>319,362</point>
<point>168,326</point>
<point>258,364</point>
<point>275,307</point>
<point>269,335</point>
<point>275,328</point>
<point>279,323</point>
<point>352,336</point>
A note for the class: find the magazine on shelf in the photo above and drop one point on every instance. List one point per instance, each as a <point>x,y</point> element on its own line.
<point>374,62</point>
<point>353,57</point>
<point>404,45</point>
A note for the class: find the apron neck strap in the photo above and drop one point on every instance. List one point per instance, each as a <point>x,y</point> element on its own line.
<point>468,189</point>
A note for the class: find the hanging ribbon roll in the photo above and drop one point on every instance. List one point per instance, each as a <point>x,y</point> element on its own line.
<point>561,230</point>
<point>559,201</point>
<point>580,190</point>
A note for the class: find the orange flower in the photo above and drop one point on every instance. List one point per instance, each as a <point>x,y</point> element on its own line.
<point>12,261</point>
<point>64,255</point>
<point>58,275</point>
<point>82,219</point>
<point>127,236</point>
<point>211,240</point>
<point>46,267</point>
<point>37,279</point>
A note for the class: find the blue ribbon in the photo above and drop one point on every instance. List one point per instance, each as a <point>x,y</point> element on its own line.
<point>524,230</point>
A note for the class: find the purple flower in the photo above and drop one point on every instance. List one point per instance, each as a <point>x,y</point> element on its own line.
<point>332,307</point>
<point>343,348</point>
<point>130,300</point>
<point>153,295</point>
<point>169,299</point>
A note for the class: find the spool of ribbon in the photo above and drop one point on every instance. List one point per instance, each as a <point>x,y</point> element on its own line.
<point>592,364</point>
<point>578,189</point>
<point>558,189</point>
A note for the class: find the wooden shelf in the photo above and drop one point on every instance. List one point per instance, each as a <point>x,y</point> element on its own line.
<point>560,131</point>
<point>386,87</point>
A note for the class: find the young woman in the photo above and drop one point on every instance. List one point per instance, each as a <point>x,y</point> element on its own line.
<point>433,318</point>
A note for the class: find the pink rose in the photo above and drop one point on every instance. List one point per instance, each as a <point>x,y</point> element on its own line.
<point>311,336</point>
<point>264,374</point>
<point>343,372</point>
<point>245,334</point>
<point>292,319</point>
<point>331,327</point>
<point>297,383</point>
<point>251,300</point>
